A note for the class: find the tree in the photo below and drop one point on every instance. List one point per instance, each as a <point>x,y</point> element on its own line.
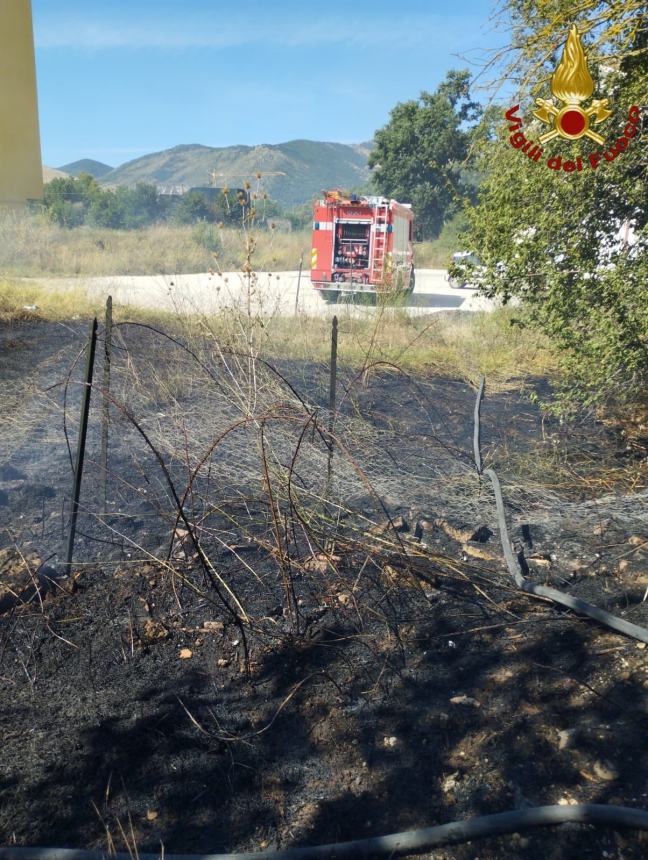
<point>194,207</point>
<point>72,202</point>
<point>106,210</point>
<point>551,238</point>
<point>140,206</point>
<point>538,29</point>
<point>417,155</point>
<point>67,200</point>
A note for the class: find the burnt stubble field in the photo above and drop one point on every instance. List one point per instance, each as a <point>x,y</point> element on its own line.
<point>286,626</point>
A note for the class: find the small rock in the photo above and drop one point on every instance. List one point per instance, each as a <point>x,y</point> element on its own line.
<point>239,547</point>
<point>391,573</point>
<point>541,560</point>
<point>221,663</point>
<point>185,654</point>
<point>605,771</point>
<point>151,815</point>
<point>624,564</point>
<point>635,540</point>
<point>400,524</point>
<point>390,742</point>
<point>154,631</point>
<point>566,738</point>
<point>321,562</point>
<point>472,549</point>
<point>464,700</point>
<point>641,646</point>
<point>344,598</point>
<point>450,782</point>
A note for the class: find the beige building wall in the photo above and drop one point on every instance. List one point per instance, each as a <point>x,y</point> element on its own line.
<point>21,177</point>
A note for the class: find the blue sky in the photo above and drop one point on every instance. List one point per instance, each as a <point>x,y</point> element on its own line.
<point>123,78</point>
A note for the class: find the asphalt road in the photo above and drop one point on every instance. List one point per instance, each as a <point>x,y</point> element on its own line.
<point>270,293</point>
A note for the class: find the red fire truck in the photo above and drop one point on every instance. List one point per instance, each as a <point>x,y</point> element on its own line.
<point>361,245</point>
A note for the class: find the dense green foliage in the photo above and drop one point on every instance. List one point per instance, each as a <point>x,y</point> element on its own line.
<point>73,202</point>
<point>418,155</point>
<point>555,240</point>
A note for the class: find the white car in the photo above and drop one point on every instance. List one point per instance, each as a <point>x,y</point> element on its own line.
<point>470,263</point>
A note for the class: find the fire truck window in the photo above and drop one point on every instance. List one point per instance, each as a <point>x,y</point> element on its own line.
<point>355,231</point>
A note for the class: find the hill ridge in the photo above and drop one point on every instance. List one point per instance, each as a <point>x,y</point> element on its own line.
<point>87,165</point>
<point>307,166</point>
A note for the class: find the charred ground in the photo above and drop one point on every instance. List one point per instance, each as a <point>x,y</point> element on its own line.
<point>389,676</point>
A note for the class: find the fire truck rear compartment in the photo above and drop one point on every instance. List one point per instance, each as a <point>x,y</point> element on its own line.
<point>351,249</point>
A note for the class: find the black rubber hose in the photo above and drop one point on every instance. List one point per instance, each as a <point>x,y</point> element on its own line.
<point>573,603</point>
<point>410,842</point>
<point>477,426</point>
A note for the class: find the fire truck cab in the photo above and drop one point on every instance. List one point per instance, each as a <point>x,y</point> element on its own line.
<point>361,245</point>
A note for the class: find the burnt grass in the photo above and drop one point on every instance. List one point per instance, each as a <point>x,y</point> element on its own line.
<point>381,695</point>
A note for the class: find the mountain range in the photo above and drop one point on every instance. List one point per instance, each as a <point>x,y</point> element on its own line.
<point>292,173</point>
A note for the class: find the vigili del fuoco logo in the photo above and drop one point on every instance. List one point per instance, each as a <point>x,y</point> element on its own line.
<point>574,116</point>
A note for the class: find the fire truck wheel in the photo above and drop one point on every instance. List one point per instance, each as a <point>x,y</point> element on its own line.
<point>330,296</point>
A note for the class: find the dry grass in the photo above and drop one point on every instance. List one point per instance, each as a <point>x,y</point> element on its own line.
<point>31,246</point>
<point>29,301</point>
<point>462,346</point>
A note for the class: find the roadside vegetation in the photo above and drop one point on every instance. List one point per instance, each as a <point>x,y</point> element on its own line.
<point>460,346</point>
<point>31,245</point>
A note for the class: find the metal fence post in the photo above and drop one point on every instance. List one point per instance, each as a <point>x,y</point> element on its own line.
<point>81,442</point>
<point>332,399</point>
<point>333,371</point>
<point>301,266</point>
<point>105,417</point>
